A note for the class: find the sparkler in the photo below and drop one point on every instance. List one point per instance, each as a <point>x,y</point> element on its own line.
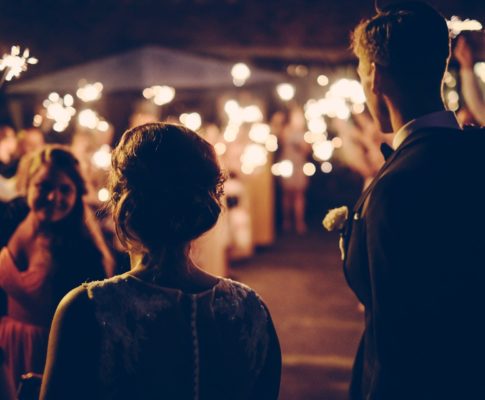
<point>14,64</point>
<point>456,25</point>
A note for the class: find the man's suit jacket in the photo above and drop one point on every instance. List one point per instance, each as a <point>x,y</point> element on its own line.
<point>416,260</point>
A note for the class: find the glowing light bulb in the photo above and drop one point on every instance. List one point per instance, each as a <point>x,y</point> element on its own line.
<point>103,195</point>
<point>286,91</point>
<point>309,169</point>
<point>326,167</point>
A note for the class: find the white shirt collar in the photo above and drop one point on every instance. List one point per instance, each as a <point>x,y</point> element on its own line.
<point>440,119</point>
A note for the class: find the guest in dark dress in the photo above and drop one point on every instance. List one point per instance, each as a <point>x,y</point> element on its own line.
<point>166,329</point>
<point>49,245</point>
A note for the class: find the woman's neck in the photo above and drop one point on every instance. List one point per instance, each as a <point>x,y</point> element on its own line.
<point>170,270</point>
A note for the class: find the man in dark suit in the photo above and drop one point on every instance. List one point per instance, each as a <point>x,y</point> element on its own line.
<point>415,241</point>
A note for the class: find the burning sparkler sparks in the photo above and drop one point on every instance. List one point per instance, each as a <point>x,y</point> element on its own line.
<point>456,25</point>
<point>15,63</point>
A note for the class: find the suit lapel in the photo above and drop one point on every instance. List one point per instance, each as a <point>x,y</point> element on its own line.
<point>416,137</point>
<point>360,202</point>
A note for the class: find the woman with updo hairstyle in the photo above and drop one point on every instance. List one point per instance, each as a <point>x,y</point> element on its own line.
<point>165,329</point>
<point>49,244</point>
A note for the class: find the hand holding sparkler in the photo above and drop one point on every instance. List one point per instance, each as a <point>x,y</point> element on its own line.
<point>463,53</point>
<point>14,64</point>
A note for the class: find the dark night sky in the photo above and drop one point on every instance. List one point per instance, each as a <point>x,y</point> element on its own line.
<point>269,33</point>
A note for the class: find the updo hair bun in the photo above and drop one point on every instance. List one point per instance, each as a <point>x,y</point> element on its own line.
<point>165,184</point>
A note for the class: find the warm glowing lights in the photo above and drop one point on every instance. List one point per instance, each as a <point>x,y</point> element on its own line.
<point>231,132</point>
<point>479,69</point>
<point>323,150</point>
<point>89,91</point>
<point>317,125</point>
<point>452,98</point>
<point>252,114</point>
<point>259,133</point>
<point>456,25</point>
<point>220,148</point>
<point>286,91</point>
<point>309,169</point>
<point>347,89</point>
<point>14,64</point>
<point>237,114</point>
<point>299,70</point>
<point>284,168</point>
<point>54,97</point>
<point>450,80</point>
<point>231,107</point>
<point>322,80</point>
<point>337,142</point>
<point>326,167</point>
<point>313,137</point>
<point>37,121</point>
<point>358,108</point>
<point>102,157</point>
<point>254,155</point>
<point>88,119</point>
<point>240,74</point>
<point>58,111</point>
<point>191,120</point>
<point>103,126</point>
<point>103,195</point>
<point>271,143</point>
<point>332,107</point>
<point>160,95</point>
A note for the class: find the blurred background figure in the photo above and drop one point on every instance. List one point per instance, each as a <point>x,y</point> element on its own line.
<point>50,243</point>
<point>209,251</point>
<point>29,140</point>
<point>474,98</point>
<point>8,149</point>
<point>8,162</point>
<point>361,145</point>
<point>294,149</point>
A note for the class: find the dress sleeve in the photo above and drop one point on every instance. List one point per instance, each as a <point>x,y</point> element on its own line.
<point>9,274</point>
<point>72,355</point>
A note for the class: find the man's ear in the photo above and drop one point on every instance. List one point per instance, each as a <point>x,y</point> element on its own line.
<point>375,78</point>
<point>379,76</point>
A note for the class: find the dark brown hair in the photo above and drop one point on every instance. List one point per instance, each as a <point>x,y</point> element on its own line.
<point>166,186</point>
<point>410,39</point>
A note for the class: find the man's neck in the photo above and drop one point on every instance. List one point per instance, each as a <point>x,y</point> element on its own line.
<point>400,116</point>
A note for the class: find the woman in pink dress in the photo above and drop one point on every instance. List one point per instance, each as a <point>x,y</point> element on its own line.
<point>50,247</point>
<point>166,329</point>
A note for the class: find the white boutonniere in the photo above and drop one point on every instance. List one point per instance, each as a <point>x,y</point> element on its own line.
<point>336,219</point>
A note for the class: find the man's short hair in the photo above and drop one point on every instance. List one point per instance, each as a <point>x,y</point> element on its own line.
<point>410,38</point>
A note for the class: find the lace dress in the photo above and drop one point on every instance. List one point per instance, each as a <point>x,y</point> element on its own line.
<point>162,343</point>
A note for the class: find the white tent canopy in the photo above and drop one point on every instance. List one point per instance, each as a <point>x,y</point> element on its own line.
<point>141,68</point>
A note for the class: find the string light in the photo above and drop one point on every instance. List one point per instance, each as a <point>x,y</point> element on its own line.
<point>160,95</point>
<point>191,120</point>
<point>309,169</point>
<point>286,91</point>
<point>240,74</point>
<point>89,91</point>
<point>103,195</point>
<point>102,157</point>
<point>326,167</point>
